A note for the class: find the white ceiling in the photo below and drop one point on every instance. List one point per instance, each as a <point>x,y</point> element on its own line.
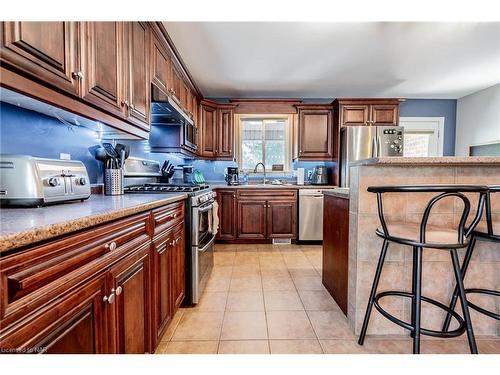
<point>328,60</point>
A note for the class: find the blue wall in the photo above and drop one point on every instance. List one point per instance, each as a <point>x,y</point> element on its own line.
<point>27,132</point>
<point>446,108</point>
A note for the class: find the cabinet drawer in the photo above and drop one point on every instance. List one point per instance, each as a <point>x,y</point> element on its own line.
<point>167,216</point>
<point>37,275</point>
<point>268,194</point>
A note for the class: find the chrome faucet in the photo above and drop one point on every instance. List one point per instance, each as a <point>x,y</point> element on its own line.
<point>263,166</point>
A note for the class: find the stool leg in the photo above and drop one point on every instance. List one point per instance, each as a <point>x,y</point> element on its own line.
<point>463,301</point>
<point>417,299</point>
<point>414,264</point>
<point>373,292</point>
<point>454,297</point>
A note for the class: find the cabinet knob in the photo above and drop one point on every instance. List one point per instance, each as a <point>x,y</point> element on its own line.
<point>119,290</point>
<point>132,106</point>
<point>111,246</point>
<point>125,103</point>
<point>109,299</point>
<point>77,75</point>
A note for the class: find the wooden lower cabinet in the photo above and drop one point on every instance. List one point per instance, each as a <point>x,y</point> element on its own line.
<point>227,214</point>
<point>109,289</point>
<point>260,214</point>
<point>130,312</point>
<point>252,219</point>
<point>336,248</point>
<point>282,219</point>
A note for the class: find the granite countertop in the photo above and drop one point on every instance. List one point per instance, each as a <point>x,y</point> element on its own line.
<point>443,160</point>
<point>23,226</point>
<point>338,193</point>
<point>223,185</point>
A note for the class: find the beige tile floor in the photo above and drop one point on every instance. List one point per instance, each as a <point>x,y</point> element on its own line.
<point>263,299</point>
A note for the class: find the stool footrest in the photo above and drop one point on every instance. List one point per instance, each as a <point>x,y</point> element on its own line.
<point>478,308</point>
<point>428,332</point>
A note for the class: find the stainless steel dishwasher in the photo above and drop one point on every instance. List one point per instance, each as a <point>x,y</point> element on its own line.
<point>311,214</point>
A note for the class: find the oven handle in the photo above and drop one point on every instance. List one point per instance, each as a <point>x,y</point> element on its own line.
<point>205,248</point>
<point>202,209</point>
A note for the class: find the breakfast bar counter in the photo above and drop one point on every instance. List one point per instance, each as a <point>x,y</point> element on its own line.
<point>365,245</point>
<point>24,226</point>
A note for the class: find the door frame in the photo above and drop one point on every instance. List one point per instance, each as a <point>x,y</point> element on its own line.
<point>440,124</point>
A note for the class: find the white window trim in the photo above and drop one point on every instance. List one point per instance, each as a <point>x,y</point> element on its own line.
<point>440,123</point>
<point>288,143</point>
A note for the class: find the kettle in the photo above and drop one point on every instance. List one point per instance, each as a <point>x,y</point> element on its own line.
<point>319,175</point>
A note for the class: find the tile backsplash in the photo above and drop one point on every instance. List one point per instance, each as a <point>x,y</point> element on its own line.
<point>28,132</point>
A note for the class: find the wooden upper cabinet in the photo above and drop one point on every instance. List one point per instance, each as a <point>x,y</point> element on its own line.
<point>384,114</point>
<point>359,112</point>
<point>161,65</point>
<point>355,114</point>
<point>102,50</point>
<point>129,314</point>
<point>138,88</point>
<point>225,132</point>
<point>177,88</point>
<point>315,133</point>
<point>208,145</point>
<point>46,51</point>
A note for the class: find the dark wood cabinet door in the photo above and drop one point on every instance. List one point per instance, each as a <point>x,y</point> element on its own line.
<point>179,275</point>
<point>227,214</point>
<point>384,114</point>
<point>282,219</point>
<point>315,134</point>
<point>252,219</point>
<point>74,324</point>
<point>225,133</point>
<point>356,114</point>
<point>139,83</point>
<point>130,312</point>
<point>208,131</point>
<point>47,51</point>
<point>177,84</point>
<point>160,66</point>
<point>336,248</point>
<point>162,285</point>
<point>104,76</point>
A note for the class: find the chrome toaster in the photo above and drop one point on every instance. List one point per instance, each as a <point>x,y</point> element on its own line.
<point>27,181</point>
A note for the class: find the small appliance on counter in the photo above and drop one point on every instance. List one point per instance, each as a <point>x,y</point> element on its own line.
<point>27,181</point>
<point>319,176</point>
<point>301,176</point>
<point>232,177</point>
<point>365,142</point>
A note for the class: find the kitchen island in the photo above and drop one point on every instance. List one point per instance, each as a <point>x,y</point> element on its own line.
<point>365,245</point>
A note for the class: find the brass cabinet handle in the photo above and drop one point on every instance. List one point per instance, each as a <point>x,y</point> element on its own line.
<point>77,75</point>
<point>111,246</point>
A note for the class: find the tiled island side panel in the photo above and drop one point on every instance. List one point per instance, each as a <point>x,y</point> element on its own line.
<point>438,281</point>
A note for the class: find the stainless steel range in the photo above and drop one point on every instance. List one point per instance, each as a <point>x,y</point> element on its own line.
<point>142,177</point>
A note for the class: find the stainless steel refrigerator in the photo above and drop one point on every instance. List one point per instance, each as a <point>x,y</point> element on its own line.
<point>365,142</point>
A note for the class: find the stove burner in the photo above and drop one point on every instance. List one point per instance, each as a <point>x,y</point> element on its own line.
<point>162,188</point>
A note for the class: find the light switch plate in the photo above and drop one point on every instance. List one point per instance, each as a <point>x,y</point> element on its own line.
<point>64,156</point>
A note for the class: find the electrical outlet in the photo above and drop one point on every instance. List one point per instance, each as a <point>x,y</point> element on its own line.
<point>64,156</point>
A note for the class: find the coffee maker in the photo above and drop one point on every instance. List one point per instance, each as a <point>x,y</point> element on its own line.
<point>232,176</point>
<point>319,176</point>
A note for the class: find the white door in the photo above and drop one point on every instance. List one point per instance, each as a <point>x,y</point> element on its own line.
<point>423,136</point>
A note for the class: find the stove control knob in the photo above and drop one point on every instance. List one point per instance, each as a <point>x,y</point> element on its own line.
<point>81,181</point>
<point>52,181</point>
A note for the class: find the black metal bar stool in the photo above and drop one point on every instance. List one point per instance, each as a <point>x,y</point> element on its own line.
<point>488,232</point>
<point>422,236</point>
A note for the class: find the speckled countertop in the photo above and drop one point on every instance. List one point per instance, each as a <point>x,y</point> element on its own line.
<point>23,226</point>
<point>444,160</point>
<point>338,193</point>
<point>223,185</point>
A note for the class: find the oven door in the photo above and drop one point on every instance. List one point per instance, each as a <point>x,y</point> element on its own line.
<point>202,224</point>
